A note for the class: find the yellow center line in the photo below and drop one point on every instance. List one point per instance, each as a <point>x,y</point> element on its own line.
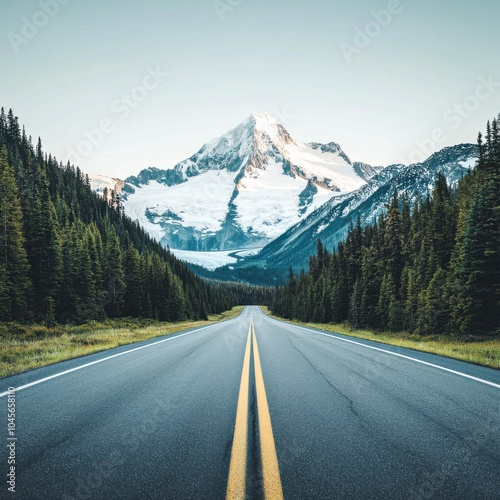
<point>237,468</point>
<point>270,469</point>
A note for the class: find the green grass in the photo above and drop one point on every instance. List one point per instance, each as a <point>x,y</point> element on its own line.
<point>485,352</point>
<point>27,347</point>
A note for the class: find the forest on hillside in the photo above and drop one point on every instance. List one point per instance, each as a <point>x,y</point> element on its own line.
<point>68,255</point>
<point>428,266</point>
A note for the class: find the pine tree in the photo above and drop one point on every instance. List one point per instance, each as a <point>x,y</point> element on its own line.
<point>370,286</point>
<point>355,305</point>
<point>443,222</point>
<point>433,312</point>
<point>176,297</point>
<point>67,303</point>
<point>134,293</point>
<point>478,268</point>
<point>289,306</point>
<point>43,245</point>
<point>113,273</point>
<point>5,300</point>
<point>13,257</point>
<point>410,297</point>
<point>393,246</point>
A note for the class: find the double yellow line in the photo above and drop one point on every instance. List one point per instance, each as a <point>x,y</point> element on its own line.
<point>236,484</point>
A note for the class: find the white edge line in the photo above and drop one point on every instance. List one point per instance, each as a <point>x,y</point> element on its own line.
<point>332,335</point>
<point>36,382</point>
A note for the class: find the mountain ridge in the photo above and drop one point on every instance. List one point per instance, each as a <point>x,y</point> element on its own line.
<point>255,181</point>
<point>331,221</point>
<point>213,182</point>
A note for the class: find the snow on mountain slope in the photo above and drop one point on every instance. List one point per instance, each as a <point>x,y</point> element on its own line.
<point>213,260</point>
<point>366,171</point>
<point>331,221</point>
<point>268,202</point>
<point>208,260</point>
<point>100,182</point>
<point>240,190</point>
<point>200,203</point>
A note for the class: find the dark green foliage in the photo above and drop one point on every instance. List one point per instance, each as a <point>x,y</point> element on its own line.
<point>14,267</point>
<point>429,267</point>
<point>478,265</point>
<point>68,255</point>
<point>42,243</point>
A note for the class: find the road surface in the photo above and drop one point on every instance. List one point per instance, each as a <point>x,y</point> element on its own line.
<point>253,408</point>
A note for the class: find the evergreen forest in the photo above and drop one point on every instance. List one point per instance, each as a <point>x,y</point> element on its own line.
<point>70,256</point>
<point>427,266</point>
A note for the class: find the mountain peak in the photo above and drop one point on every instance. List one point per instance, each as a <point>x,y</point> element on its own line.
<point>262,116</point>
<point>262,122</point>
<point>256,180</point>
<point>263,119</point>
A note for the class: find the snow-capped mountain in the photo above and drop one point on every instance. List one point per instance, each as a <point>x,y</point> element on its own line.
<point>366,171</point>
<point>100,182</point>
<point>257,187</point>
<point>331,221</point>
<point>241,190</point>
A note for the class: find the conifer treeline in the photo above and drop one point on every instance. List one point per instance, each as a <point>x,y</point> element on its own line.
<point>68,255</point>
<point>428,266</point>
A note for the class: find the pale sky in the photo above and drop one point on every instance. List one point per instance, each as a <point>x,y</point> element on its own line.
<point>390,81</point>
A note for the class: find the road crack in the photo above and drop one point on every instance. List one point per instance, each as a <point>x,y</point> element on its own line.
<point>336,389</point>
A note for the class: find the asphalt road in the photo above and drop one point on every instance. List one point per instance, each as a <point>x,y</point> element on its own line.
<point>320,416</point>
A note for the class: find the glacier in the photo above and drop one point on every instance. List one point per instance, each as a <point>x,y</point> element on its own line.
<point>240,190</point>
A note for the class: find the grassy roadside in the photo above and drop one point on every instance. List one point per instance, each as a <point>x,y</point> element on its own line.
<point>481,352</point>
<point>27,347</point>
